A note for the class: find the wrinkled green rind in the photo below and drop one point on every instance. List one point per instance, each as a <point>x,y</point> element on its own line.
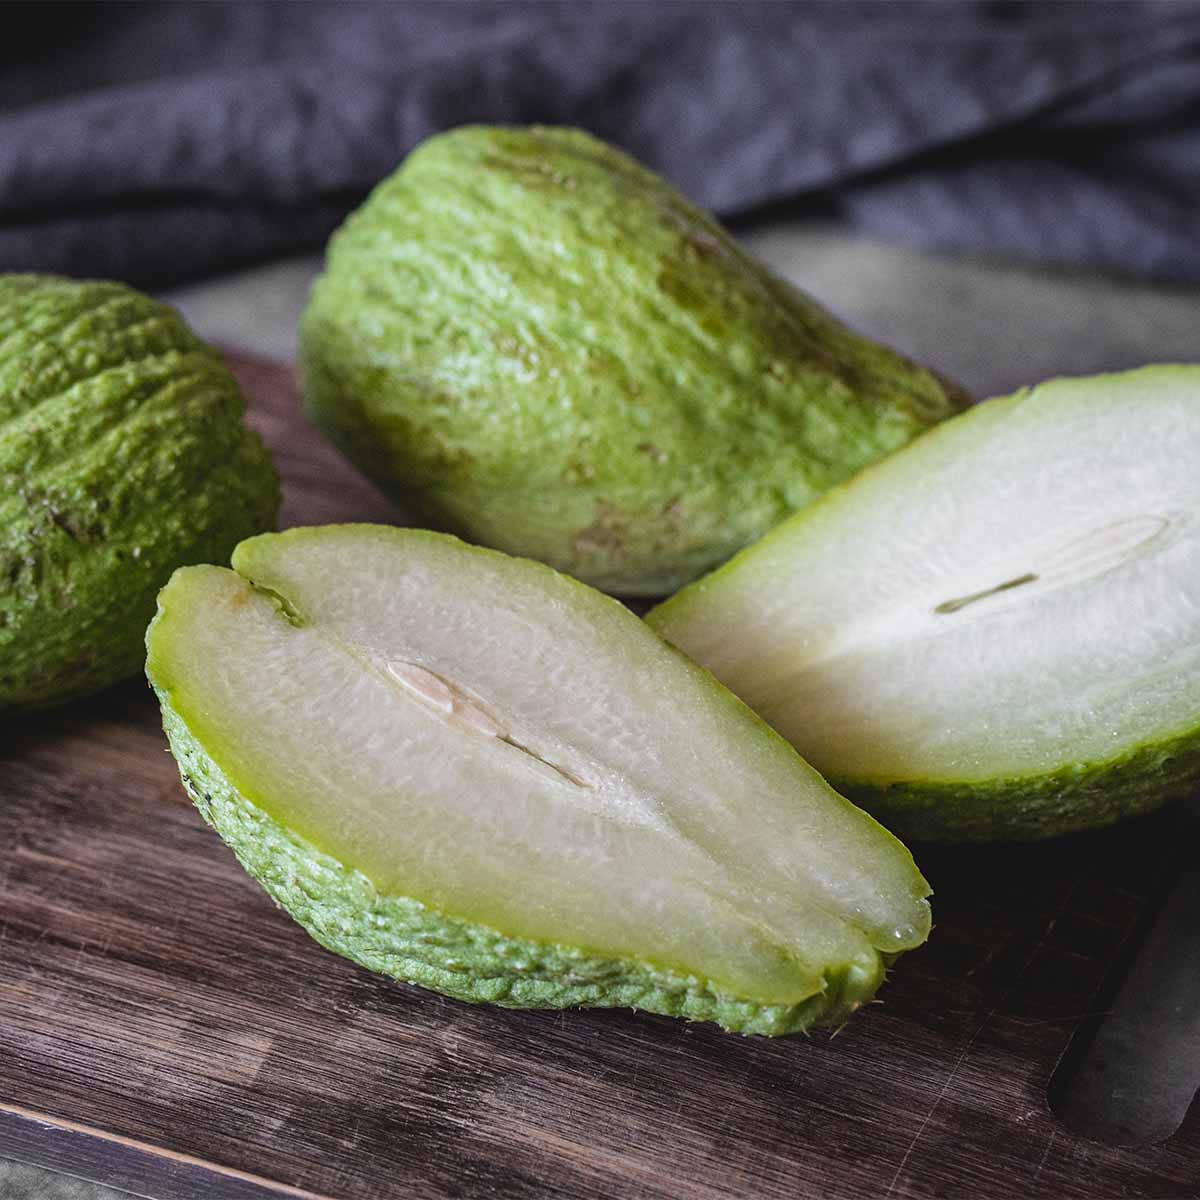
<point>1072,798</point>
<point>403,938</point>
<point>122,456</point>
<point>534,342</point>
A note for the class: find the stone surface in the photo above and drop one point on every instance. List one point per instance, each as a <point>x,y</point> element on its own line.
<point>19,1182</point>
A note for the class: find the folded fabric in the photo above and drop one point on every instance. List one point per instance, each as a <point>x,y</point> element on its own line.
<point>159,142</point>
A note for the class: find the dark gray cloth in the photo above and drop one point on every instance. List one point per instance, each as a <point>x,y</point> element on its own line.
<point>159,142</point>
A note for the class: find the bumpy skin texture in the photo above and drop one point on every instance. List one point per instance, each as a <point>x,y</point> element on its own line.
<point>538,344</point>
<point>408,940</point>
<point>1081,796</point>
<point>122,456</point>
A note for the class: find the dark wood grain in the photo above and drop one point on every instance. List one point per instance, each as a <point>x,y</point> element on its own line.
<point>164,1027</point>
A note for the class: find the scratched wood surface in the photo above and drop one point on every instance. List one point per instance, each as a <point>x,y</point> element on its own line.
<point>165,1028</point>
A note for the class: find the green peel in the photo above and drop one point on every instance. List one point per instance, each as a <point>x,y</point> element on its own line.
<point>534,342</point>
<point>410,941</point>
<point>122,456</point>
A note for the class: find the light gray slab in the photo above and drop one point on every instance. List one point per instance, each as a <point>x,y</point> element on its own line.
<point>21,1182</point>
<point>256,311</point>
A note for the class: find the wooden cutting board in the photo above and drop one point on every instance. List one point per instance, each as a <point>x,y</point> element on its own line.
<point>164,1028</point>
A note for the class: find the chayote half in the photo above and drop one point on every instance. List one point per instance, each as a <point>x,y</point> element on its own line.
<point>476,774</point>
<point>995,633</point>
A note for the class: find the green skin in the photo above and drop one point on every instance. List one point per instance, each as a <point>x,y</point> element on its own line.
<point>536,343</point>
<point>123,456</point>
<point>401,937</point>
<point>1075,797</point>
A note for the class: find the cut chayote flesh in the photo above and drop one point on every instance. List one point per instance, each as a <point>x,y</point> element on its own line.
<point>122,456</point>
<point>995,632</point>
<point>471,772</point>
<point>536,343</point>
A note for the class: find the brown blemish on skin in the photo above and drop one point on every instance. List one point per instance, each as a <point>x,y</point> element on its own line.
<point>578,472</point>
<point>703,243</point>
<point>514,348</point>
<point>77,529</point>
<point>606,535</point>
<point>676,280</point>
<point>532,172</point>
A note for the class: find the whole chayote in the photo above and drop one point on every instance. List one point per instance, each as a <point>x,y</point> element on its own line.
<point>122,457</point>
<point>534,342</point>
